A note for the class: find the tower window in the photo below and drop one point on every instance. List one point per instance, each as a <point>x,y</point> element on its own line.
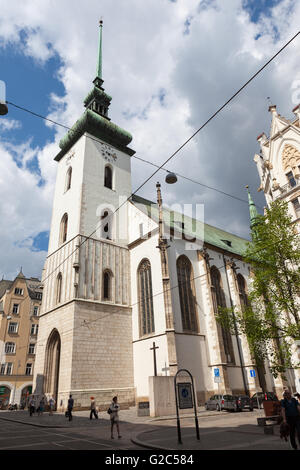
<point>58,288</point>
<point>108,177</point>
<point>107,285</point>
<point>68,179</point>
<point>63,228</point>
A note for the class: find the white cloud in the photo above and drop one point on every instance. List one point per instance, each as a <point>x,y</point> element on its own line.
<point>146,51</point>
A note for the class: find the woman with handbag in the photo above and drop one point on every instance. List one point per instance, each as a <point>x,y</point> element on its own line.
<point>113,411</point>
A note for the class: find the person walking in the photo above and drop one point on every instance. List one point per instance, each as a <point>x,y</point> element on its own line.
<point>290,409</point>
<point>70,407</point>
<point>114,416</point>
<point>31,405</point>
<point>41,406</point>
<point>93,409</point>
<point>51,405</point>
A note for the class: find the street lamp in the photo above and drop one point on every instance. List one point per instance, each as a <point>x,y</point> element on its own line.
<point>3,106</point>
<point>171,177</point>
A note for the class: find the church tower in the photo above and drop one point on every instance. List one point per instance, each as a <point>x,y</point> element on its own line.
<point>85,336</point>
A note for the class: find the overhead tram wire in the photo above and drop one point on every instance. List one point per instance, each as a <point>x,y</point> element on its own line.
<point>134,156</point>
<point>168,159</point>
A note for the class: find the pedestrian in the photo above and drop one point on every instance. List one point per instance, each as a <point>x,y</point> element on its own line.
<point>51,405</point>
<point>114,416</point>
<point>31,405</point>
<point>93,409</point>
<point>70,407</point>
<point>41,407</point>
<point>290,409</point>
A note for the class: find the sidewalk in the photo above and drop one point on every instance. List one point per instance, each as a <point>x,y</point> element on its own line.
<point>218,431</point>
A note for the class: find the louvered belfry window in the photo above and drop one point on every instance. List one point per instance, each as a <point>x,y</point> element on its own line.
<point>145,298</point>
<point>187,294</point>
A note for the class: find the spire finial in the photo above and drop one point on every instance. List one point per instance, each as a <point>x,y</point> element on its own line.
<point>252,209</point>
<point>99,64</point>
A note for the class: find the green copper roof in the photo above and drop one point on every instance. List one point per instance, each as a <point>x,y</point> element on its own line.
<point>212,235</point>
<point>99,127</point>
<point>95,119</point>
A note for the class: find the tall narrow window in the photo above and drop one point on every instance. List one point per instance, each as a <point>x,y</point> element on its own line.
<point>106,224</point>
<point>108,177</point>
<point>58,288</point>
<point>219,301</point>
<point>242,291</point>
<point>63,229</point>
<point>290,177</point>
<point>146,314</point>
<point>107,285</point>
<point>187,294</point>
<point>68,179</point>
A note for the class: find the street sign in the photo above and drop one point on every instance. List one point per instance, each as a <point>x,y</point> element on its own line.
<point>252,373</point>
<point>185,395</point>
<point>217,372</point>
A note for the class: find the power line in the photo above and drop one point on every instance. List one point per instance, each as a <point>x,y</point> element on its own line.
<point>169,158</point>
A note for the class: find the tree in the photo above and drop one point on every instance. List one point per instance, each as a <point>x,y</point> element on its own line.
<point>271,319</point>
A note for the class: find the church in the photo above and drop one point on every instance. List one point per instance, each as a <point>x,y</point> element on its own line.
<point>131,288</point>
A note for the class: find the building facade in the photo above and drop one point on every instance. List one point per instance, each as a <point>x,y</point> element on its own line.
<point>20,303</point>
<point>124,275</point>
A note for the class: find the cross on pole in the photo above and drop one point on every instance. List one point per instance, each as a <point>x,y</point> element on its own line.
<point>154,357</point>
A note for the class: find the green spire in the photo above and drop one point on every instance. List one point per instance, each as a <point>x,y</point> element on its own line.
<point>252,209</point>
<point>99,63</point>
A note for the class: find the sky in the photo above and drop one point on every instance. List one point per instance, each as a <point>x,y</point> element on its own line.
<point>168,66</point>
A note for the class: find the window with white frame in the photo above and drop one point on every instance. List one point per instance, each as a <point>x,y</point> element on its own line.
<point>34,329</point>
<point>15,309</point>
<point>13,327</point>
<point>10,348</point>
<point>2,369</point>
<point>35,310</point>
<point>9,367</point>
<point>31,349</point>
<point>18,291</point>
<point>28,370</point>
<point>296,205</point>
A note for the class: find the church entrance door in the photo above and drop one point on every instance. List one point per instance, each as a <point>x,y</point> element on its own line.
<point>52,362</point>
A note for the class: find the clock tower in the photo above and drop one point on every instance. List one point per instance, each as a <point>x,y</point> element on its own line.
<point>85,336</point>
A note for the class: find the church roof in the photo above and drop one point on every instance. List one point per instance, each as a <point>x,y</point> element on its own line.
<point>212,235</point>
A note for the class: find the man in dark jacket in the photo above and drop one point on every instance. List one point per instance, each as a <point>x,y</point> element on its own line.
<point>291,415</point>
<point>70,407</point>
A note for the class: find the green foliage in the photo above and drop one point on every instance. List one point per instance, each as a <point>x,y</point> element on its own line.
<point>271,321</point>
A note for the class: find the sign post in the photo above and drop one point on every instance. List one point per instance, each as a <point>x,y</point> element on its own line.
<point>185,398</point>
<point>252,374</point>
<point>218,380</point>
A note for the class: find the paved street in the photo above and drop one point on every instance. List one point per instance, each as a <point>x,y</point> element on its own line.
<point>218,431</point>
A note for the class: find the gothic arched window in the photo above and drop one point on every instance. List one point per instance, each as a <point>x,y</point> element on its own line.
<point>187,294</point>
<point>242,291</point>
<point>108,177</point>
<point>107,276</point>
<point>146,314</point>
<point>106,224</point>
<point>63,229</point>
<point>219,301</point>
<point>68,179</point>
<point>58,288</point>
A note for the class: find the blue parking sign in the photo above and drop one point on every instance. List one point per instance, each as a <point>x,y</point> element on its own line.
<point>217,372</point>
<point>252,373</point>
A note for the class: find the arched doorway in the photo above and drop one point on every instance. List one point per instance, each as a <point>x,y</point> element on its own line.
<point>52,361</point>
<point>4,396</point>
<point>26,392</point>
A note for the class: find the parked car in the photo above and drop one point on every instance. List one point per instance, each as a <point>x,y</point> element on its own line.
<point>262,396</point>
<point>222,402</point>
<point>244,403</point>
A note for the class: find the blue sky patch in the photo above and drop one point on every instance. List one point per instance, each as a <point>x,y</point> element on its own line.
<point>40,242</point>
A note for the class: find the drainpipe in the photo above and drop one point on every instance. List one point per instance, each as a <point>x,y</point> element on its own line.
<point>236,333</point>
